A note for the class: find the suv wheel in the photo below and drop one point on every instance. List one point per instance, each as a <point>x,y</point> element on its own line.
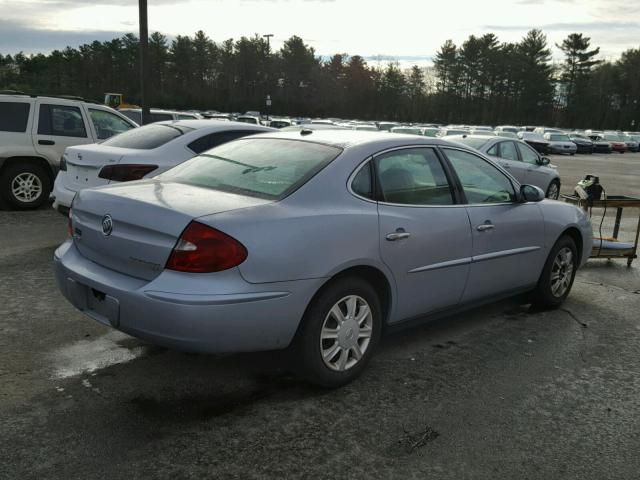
<point>339,332</point>
<point>25,185</point>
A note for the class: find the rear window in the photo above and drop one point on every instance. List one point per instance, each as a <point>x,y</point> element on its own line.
<point>559,138</point>
<point>471,141</point>
<point>147,137</point>
<point>264,168</point>
<point>14,116</point>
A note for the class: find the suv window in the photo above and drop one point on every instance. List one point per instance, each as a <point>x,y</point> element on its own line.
<point>14,116</point>
<point>107,124</point>
<point>508,151</point>
<point>218,138</point>
<point>133,115</point>
<point>147,137</point>
<point>529,155</point>
<point>413,176</point>
<point>61,120</point>
<point>481,181</point>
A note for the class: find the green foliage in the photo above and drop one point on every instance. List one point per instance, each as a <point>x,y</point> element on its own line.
<point>482,81</point>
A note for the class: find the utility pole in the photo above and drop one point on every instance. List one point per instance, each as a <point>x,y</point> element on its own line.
<point>268,97</point>
<point>144,62</point>
<point>268,36</point>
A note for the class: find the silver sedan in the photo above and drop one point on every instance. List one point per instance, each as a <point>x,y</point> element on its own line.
<point>314,241</point>
<point>519,159</point>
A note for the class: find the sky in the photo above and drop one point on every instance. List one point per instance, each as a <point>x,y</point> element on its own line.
<point>407,31</point>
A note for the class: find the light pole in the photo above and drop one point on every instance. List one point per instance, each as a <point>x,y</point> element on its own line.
<point>144,61</point>
<point>268,36</point>
<point>268,97</point>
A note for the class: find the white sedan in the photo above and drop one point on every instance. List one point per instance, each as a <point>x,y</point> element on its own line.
<point>142,152</point>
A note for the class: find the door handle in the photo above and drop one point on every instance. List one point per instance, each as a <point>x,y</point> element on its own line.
<point>505,165</point>
<point>46,142</point>
<point>399,234</point>
<point>485,226</point>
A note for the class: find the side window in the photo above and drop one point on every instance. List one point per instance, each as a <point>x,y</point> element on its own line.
<point>61,120</point>
<point>413,176</point>
<point>14,116</point>
<point>493,150</point>
<point>361,184</point>
<point>161,117</point>
<point>107,124</point>
<point>133,115</point>
<point>481,181</point>
<point>200,145</point>
<point>529,155</point>
<point>508,151</point>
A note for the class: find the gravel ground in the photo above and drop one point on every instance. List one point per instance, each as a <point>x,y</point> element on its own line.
<point>497,392</point>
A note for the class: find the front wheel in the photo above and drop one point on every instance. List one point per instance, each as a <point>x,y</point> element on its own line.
<point>339,332</point>
<point>25,186</point>
<point>553,191</point>
<point>557,275</point>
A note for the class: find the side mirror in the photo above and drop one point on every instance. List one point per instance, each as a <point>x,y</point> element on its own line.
<point>531,193</point>
<point>544,161</point>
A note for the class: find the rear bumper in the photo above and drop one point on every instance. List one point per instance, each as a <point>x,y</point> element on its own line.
<point>63,196</point>
<point>165,311</point>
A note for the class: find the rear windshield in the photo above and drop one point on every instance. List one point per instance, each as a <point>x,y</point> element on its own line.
<point>555,137</point>
<point>471,141</point>
<point>264,168</point>
<point>612,138</point>
<point>148,137</point>
<point>14,116</point>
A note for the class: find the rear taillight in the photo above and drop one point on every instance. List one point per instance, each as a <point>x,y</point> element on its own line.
<point>203,249</point>
<point>70,224</point>
<point>125,172</point>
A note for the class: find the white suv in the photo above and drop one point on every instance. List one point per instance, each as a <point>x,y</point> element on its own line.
<point>34,132</point>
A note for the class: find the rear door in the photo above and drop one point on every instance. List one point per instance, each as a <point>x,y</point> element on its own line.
<point>509,159</point>
<point>58,126</point>
<point>425,237</point>
<point>508,236</point>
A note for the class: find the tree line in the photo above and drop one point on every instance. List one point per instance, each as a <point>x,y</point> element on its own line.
<point>481,81</point>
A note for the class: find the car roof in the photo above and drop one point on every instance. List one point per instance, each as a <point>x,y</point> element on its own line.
<point>350,138</point>
<point>213,124</point>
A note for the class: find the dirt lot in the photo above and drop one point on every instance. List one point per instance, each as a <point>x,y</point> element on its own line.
<point>499,392</point>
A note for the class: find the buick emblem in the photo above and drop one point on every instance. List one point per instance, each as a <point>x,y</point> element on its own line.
<point>107,225</point>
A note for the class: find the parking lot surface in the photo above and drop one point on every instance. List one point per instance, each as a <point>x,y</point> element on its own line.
<point>497,392</point>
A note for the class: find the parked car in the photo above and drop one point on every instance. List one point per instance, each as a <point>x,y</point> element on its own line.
<point>507,134</point>
<point>537,141</point>
<point>484,133</point>
<point>250,119</point>
<point>144,152</point>
<point>158,115</point>
<point>408,130</point>
<point>616,141</point>
<point>308,127</point>
<point>448,131</point>
<point>35,130</point>
<point>632,143</point>
<point>560,143</point>
<point>600,145</point>
<point>519,159</point>
<point>583,143</point>
<point>507,128</point>
<point>236,250</point>
<point>387,126</point>
<point>543,130</point>
<point>280,122</point>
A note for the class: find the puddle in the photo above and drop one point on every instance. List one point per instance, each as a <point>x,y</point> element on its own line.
<point>86,356</point>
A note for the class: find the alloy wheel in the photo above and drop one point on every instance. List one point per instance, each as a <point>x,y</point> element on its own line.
<point>346,333</point>
<point>26,187</point>
<point>554,191</point>
<point>561,272</point>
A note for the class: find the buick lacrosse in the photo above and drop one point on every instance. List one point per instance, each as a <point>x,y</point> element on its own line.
<point>316,241</point>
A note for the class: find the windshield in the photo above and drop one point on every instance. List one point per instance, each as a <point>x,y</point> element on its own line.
<point>557,137</point>
<point>264,168</point>
<point>612,138</point>
<point>473,142</point>
<point>147,137</point>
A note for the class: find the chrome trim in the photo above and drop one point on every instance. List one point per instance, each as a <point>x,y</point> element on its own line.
<point>437,266</point>
<point>503,253</point>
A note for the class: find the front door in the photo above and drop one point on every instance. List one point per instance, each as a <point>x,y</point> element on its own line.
<point>537,174</point>
<point>58,126</point>
<point>508,236</point>
<point>425,237</point>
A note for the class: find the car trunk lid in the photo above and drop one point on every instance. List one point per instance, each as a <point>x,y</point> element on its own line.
<point>132,227</point>
<point>84,165</point>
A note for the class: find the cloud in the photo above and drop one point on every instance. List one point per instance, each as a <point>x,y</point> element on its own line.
<point>15,37</point>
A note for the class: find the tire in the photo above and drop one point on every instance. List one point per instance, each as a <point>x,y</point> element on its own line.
<point>320,317</point>
<point>25,175</point>
<point>553,191</point>
<point>547,295</point>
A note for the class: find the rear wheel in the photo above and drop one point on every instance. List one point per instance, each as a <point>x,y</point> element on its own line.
<point>553,191</point>
<point>558,274</point>
<point>339,332</point>
<point>25,185</point>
